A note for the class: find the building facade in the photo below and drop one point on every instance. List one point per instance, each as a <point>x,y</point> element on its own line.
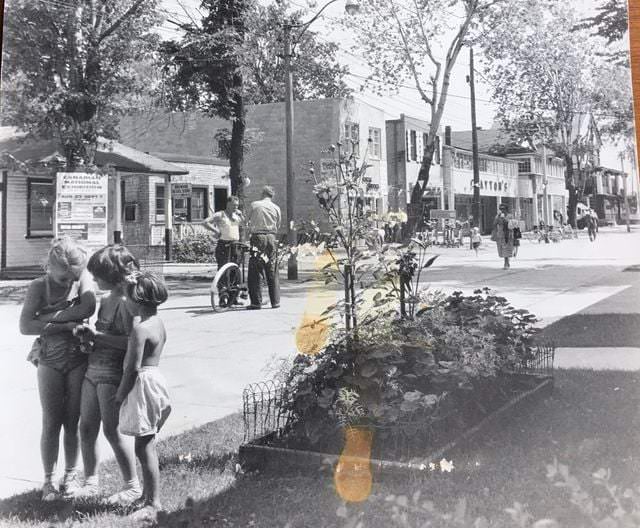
<point>406,138</point>
<point>28,197</point>
<point>183,138</point>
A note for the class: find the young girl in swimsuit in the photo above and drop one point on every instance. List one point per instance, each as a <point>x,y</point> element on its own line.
<point>54,305</point>
<point>143,391</point>
<point>107,342</point>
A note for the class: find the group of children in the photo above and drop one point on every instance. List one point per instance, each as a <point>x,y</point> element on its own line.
<point>105,373</point>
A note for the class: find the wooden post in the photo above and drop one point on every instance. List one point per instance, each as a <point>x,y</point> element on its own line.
<point>117,232</point>
<point>168,218</point>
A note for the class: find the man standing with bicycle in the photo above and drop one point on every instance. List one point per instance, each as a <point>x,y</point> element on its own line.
<point>226,226</point>
<point>264,221</point>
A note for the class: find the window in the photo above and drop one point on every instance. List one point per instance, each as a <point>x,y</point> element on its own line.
<point>375,146</point>
<point>414,146</point>
<point>194,209</point>
<point>41,196</point>
<point>524,165</point>
<point>199,204</point>
<point>352,138</point>
<point>482,164</point>
<point>160,203</point>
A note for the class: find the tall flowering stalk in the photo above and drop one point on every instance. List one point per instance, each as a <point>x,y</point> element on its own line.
<point>341,195</point>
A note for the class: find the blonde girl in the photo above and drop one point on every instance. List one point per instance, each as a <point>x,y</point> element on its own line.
<point>53,306</point>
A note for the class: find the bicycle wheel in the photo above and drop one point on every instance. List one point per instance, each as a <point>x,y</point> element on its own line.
<point>225,288</point>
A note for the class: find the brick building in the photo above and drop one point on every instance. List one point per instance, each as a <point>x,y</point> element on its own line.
<point>189,140</point>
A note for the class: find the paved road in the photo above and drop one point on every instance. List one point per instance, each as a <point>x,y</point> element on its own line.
<point>210,358</point>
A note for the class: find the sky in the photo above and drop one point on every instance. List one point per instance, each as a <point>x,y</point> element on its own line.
<point>458,107</point>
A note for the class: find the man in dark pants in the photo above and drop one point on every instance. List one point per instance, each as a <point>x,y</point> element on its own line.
<point>264,222</point>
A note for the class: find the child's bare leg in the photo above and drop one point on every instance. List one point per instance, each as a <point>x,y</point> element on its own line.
<point>73,388</point>
<point>122,449</point>
<point>51,390</point>
<point>148,456</point>
<point>89,429</point>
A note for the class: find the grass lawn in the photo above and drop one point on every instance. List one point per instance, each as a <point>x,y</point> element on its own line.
<point>592,420</point>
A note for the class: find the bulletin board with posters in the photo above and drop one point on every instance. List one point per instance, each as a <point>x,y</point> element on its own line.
<point>81,207</point>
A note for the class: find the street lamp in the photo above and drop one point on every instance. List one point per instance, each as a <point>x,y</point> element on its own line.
<point>351,7</point>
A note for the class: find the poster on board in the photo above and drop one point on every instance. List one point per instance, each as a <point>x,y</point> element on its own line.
<point>81,207</point>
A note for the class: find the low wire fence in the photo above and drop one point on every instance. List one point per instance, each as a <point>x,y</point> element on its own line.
<point>262,409</point>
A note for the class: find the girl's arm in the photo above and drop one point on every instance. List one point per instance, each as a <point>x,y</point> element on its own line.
<point>29,323</point>
<point>80,310</point>
<point>132,361</point>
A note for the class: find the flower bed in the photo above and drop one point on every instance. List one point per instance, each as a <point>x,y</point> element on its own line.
<point>417,384</point>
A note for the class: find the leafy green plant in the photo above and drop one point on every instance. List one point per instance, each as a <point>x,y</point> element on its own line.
<point>405,371</point>
<point>195,248</point>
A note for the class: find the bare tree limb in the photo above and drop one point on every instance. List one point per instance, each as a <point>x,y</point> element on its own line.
<point>129,12</point>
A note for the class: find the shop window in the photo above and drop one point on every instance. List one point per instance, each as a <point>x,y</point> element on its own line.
<point>375,135</point>
<point>194,209</point>
<point>41,196</point>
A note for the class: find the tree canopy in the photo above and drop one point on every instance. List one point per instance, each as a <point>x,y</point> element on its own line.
<point>234,58</point>
<point>417,42</point>
<point>68,68</point>
<point>549,84</point>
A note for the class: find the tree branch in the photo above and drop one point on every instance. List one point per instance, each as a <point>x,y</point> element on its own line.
<point>412,65</point>
<point>113,28</point>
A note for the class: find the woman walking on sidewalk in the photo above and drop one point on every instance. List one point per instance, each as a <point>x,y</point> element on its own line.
<point>502,234</point>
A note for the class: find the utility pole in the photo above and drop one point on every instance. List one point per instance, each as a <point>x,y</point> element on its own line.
<point>475,206</point>
<point>292,265</point>
<point>545,185</point>
<point>626,197</point>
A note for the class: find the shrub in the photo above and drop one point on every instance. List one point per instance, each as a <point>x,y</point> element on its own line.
<point>403,369</point>
<point>196,248</point>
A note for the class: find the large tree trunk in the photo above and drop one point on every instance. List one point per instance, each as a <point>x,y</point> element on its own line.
<point>573,192</point>
<point>236,154</point>
<point>415,205</point>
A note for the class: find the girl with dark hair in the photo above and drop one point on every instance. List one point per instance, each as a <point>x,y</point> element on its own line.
<point>107,342</point>
<point>143,390</point>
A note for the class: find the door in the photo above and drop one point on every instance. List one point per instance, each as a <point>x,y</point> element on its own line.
<point>220,198</point>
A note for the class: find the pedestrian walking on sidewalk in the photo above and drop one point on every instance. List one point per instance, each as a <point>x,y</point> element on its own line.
<point>264,221</point>
<point>476,239</point>
<point>502,234</point>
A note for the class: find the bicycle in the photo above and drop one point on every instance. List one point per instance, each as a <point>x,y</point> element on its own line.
<point>229,286</point>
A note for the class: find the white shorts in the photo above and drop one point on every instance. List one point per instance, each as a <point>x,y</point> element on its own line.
<point>146,407</point>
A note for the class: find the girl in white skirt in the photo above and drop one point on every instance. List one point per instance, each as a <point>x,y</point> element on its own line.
<point>143,390</point>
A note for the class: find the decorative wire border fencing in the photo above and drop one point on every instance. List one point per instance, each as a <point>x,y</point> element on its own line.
<point>263,403</point>
<point>541,361</point>
<point>262,409</point>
